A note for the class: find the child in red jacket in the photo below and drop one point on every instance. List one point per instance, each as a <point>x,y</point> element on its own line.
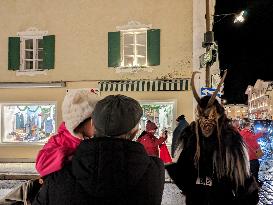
<point>76,110</point>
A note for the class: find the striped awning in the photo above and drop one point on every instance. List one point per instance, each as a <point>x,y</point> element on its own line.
<point>145,85</point>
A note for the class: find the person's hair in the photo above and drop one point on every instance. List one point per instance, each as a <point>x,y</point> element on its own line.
<point>246,123</point>
<point>142,134</point>
<point>181,117</point>
<point>130,135</point>
<point>80,127</point>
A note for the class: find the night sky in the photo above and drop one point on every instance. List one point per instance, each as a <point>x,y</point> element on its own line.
<point>246,50</point>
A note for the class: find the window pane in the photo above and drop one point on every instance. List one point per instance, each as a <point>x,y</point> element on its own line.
<point>40,43</point>
<point>141,50</point>
<point>141,44</point>
<point>29,43</point>
<point>28,123</point>
<point>28,65</point>
<point>128,44</point>
<point>141,61</point>
<point>39,65</point>
<point>29,54</point>
<point>141,39</point>
<point>128,39</point>
<point>128,61</point>
<point>40,54</point>
<point>129,50</point>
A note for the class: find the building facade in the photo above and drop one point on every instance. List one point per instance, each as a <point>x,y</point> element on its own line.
<point>260,100</point>
<point>236,111</point>
<point>142,49</point>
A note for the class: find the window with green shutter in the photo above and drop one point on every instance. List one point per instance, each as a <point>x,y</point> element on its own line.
<point>33,50</point>
<point>134,48</point>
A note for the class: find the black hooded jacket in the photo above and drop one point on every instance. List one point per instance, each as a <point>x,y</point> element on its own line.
<point>106,171</point>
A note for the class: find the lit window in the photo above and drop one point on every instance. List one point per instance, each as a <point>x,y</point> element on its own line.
<point>134,45</point>
<point>134,48</point>
<point>27,122</point>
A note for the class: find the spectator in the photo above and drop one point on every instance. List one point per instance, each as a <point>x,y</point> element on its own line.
<point>109,168</point>
<point>182,123</point>
<point>76,109</point>
<point>252,147</point>
<point>149,141</point>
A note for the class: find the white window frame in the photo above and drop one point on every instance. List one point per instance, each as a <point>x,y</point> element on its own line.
<point>35,53</point>
<point>135,45</point>
<point>35,35</point>
<point>133,26</point>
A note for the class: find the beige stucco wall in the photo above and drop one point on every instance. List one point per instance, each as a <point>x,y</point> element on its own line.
<point>81,28</point>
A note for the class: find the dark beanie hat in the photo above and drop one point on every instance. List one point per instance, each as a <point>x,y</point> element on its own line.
<point>116,115</point>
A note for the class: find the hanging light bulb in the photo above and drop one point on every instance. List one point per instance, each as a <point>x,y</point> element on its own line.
<point>240,18</point>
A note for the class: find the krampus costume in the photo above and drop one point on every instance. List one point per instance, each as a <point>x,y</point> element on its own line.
<point>213,168</point>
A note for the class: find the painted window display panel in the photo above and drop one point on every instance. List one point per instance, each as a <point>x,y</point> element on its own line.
<point>161,113</point>
<point>27,122</point>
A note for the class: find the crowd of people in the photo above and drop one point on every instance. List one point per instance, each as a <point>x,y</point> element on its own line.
<point>95,159</point>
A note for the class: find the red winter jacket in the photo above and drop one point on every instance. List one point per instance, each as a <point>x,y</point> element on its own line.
<point>56,151</point>
<point>251,142</point>
<point>151,143</point>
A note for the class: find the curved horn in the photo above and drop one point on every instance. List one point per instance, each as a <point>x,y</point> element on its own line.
<point>196,96</point>
<point>213,97</point>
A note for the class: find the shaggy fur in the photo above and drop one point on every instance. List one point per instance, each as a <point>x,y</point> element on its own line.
<point>222,157</point>
<point>213,167</point>
<point>229,156</point>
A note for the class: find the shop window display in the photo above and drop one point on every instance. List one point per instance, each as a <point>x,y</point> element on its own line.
<point>161,113</point>
<point>27,122</point>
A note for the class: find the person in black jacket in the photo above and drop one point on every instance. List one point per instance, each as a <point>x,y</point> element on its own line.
<point>109,169</point>
<point>213,167</point>
<point>182,123</point>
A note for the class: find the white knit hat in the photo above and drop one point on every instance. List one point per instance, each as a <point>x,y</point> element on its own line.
<point>78,105</point>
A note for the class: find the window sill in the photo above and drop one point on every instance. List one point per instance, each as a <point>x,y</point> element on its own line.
<point>21,144</point>
<point>133,69</point>
<point>30,73</point>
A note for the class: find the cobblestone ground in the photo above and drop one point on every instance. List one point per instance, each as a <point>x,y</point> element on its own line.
<point>266,176</point>
<point>172,195</point>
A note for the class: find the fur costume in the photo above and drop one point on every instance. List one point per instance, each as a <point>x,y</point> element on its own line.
<point>213,167</point>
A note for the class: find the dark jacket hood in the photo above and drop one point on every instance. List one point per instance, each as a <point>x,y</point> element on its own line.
<point>107,167</point>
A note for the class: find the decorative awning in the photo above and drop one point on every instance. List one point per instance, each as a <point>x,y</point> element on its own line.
<point>145,85</point>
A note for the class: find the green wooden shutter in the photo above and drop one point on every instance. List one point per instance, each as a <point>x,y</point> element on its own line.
<point>48,52</point>
<point>153,47</point>
<point>113,49</point>
<point>14,53</point>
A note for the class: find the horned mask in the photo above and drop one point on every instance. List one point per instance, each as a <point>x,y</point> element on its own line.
<point>207,114</point>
